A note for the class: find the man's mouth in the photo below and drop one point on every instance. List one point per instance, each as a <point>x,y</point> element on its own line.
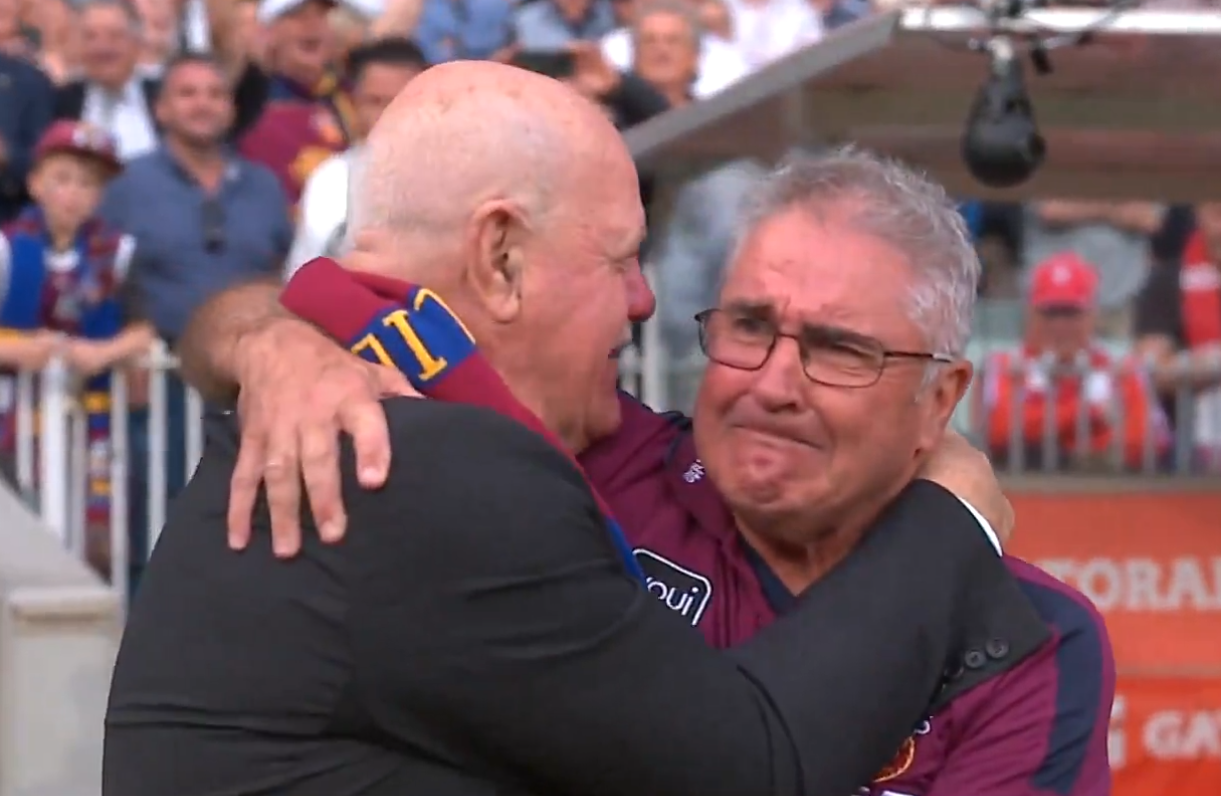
<point>618,350</point>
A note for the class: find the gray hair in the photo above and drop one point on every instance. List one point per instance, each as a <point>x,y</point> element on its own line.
<point>677,8</point>
<point>900,206</point>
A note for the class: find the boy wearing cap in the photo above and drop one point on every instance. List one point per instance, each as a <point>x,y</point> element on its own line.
<point>1062,395</point>
<point>61,276</point>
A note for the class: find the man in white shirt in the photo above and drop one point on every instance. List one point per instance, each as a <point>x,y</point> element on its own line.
<point>379,70</point>
<point>114,95</point>
<point>767,30</point>
<point>719,64</point>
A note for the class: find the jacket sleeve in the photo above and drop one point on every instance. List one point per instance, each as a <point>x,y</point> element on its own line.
<point>491,606</point>
<point>1041,728</point>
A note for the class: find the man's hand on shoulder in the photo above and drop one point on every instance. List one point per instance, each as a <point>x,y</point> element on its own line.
<point>298,392</point>
<point>962,469</point>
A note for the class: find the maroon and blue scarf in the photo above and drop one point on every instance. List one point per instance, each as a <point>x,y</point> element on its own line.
<point>410,328</point>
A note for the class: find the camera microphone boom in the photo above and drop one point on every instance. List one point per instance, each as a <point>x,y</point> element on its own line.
<point>1001,145</point>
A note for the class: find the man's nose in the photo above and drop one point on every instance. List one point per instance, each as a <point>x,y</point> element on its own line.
<point>641,303</point>
<point>778,384</point>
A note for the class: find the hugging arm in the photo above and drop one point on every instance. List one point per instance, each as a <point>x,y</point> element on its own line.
<point>298,391</point>
<point>538,647</point>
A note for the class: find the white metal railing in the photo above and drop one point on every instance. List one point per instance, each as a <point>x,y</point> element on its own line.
<point>53,461</point>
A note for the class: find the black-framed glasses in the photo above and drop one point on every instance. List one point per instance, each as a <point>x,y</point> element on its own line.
<point>829,356</point>
<point>212,219</point>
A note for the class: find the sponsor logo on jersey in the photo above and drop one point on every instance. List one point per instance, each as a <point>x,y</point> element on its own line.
<point>683,591</point>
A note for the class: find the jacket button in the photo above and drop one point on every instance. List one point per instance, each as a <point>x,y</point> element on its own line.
<point>975,659</point>
<point>997,649</point>
<point>954,674</point>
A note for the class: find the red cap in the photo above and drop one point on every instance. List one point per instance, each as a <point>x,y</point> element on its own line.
<point>1064,280</point>
<point>81,139</point>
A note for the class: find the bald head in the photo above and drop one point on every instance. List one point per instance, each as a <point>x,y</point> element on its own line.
<point>516,200</point>
<point>467,132</point>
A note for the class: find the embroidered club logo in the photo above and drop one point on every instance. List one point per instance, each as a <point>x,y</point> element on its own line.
<point>685,592</point>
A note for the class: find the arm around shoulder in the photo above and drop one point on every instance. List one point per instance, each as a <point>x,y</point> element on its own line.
<point>493,606</point>
<point>208,347</point>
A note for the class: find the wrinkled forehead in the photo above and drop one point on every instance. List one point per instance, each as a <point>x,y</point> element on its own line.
<point>803,269</point>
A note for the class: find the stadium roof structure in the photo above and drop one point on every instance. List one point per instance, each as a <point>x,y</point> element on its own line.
<point>1133,113</point>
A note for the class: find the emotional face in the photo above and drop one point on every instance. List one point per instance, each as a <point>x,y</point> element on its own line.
<point>814,297</point>
<point>585,291</point>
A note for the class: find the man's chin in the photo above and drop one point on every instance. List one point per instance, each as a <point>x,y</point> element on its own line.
<point>605,420</point>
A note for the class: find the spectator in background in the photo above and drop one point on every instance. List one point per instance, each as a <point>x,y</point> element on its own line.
<point>58,28</point>
<point>112,95</point>
<point>766,30</point>
<point>1178,323</point>
<point>27,103</point>
<point>203,220</point>
<point>301,58</point>
<point>159,33</point>
<point>310,116</point>
<point>695,246</point>
<point>62,272</point>
<point>555,24</point>
<point>1062,389</point>
<point>378,71</point>
<point>14,37</point>
<point>1115,237</point>
<point>247,37</point>
<point>674,34</point>
<point>451,30</point>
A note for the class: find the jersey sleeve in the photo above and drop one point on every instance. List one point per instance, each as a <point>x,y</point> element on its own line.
<point>1042,729</point>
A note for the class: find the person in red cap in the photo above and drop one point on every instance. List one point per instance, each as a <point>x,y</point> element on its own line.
<point>61,276</point>
<point>1062,399</point>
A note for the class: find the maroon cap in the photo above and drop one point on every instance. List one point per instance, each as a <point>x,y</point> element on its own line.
<point>81,139</point>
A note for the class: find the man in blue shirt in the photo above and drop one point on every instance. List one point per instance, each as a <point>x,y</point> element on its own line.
<point>203,220</point>
<point>451,30</point>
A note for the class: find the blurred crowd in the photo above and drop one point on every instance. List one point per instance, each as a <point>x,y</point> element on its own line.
<point>155,152</point>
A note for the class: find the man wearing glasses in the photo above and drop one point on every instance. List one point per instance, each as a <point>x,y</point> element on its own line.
<point>835,364</point>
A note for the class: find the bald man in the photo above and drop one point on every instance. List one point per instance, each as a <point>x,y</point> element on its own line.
<point>482,628</point>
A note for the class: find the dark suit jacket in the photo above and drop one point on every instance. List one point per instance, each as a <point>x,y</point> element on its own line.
<point>27,100</point>
<point>70,98</point>
<point>249,98</point>
<point>477,632</point>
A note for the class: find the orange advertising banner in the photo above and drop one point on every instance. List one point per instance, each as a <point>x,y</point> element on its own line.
<point>1165,737</point>
<point>1150,561</point>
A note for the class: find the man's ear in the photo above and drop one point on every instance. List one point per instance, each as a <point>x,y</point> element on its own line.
<point>943,396</point>
<point>499,232</point>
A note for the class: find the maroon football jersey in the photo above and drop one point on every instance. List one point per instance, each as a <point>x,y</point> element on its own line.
<point>1040,728</point>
